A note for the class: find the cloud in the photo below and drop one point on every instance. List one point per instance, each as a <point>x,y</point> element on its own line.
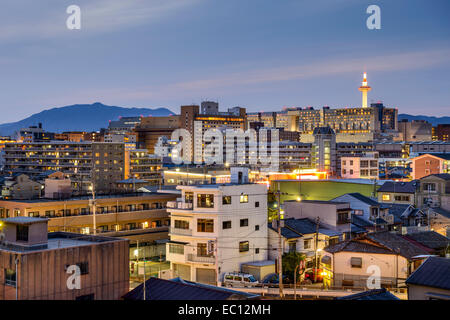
<point>239,81</point>
<point>44,19</point>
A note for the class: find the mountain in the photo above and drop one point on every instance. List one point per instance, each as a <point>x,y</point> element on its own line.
<point>433,120</point>
<point>79,117</point>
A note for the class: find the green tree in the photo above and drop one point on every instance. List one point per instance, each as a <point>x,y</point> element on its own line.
<point>290,261</point>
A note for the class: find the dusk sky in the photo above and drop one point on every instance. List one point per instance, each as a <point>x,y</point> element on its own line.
<point>258,54</point>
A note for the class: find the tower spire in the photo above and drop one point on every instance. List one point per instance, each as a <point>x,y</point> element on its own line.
<point>364,89</point>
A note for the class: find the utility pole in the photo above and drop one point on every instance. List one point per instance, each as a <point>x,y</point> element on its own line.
<point>315,247</point>
<point>280,245</point>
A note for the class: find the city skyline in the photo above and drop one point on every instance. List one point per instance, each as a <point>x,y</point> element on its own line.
<point>262,56</point>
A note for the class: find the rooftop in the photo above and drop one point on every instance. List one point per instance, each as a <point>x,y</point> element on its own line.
<point>430,239</point>
<point>433,272</point>
<point>399,187</point>
<point>376,294</point>
<point>179,289</point>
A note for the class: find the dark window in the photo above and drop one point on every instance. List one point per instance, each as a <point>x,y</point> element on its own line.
<point>226,225</point>
<point>84,267</point>
<point>181,224</point>
<point>257,204</point>
<point>243,246</point>
<point>205,225</point>
<point>22,233</point>
<point>256,250</point>
<point>257,227</point>
<point>85,297</point>
<point>244,222</point>
<point>226,200</point>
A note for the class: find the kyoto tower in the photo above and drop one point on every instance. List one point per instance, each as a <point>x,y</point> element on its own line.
<point>364,89</point>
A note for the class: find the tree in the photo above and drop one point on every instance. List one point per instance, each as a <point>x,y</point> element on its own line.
<point>290,261</point>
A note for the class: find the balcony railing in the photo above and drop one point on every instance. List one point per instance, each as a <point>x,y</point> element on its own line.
<point>179,205</point>
<point>182,232</point>
<point>195,258</point>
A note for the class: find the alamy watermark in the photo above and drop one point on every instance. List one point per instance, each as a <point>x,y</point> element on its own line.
<point>74,280</point>
<point>374,20</point>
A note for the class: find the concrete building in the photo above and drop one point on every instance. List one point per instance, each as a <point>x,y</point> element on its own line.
<point>217,228</point>
<point>441,132</point>
<point>416,130</point>
<point>140,164</point>
<point>83,162</point>
<point>35,265</point>
<point>151,128</point>
<point>137,216</point>
<point>363,167</point>
<point>427,164</point>
<point>324,153</point>
<point>434,191</point>
<point>57,186</point>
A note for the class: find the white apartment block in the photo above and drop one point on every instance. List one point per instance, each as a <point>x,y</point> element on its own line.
<point>215,229</point>
<point>365,167</point>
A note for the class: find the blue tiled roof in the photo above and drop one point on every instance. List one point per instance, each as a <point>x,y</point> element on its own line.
<point>433,272</point>
<point>364,199</point>
<point>178,289</point>
<point>376,294</point>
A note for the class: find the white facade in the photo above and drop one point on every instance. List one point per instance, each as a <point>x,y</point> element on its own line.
<point>237,230</point>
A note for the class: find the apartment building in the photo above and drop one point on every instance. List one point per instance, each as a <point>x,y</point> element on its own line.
<point>360,167</point>
<point>427,164</point>
<point>416,130</point>
<point>137,216</point>
<point>434,191</point>
<point>36,265</point>
<point>151,128</point>
<point>83,162</point>
<point>140,164</point>
<point>217,228</point>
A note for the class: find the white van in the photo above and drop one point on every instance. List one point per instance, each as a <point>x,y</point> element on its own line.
<point>237,279</point>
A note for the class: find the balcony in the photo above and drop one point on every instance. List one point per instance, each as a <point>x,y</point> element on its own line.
<point>179,205</point>
<point>180,232</point>
<point>200,259</point>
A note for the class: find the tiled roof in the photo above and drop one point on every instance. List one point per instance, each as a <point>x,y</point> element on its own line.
<point>430,239</point>
<point>357,246</point>
<point>364,199</point>
<point>361,222</point>
<point>295,228</point>
<point>444,176</point>
<point>399,187</point>
<point>442,212</point>
<point>178,289</point>
<point>397,244</point>
<point>376,294</point>
<point>434,272</point>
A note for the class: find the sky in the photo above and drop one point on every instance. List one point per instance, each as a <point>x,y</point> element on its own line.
<point>258,54</point>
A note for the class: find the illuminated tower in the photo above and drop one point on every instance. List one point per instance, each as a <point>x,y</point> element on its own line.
<point>364,89</point>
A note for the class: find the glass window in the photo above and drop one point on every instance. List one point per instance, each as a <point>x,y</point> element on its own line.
<point>205,225</point>
<point>181,224</point>
<point>243,198</point>
<point>226,200</point>
<point>244,246</point>
<point>205,200</point>
<point>244,222</point>
<point>10,277</point>
<point>226,225</point>
<point>21,233</point>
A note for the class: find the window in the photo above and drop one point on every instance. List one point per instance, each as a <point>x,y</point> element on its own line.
<point>205,200</point>
<point>189,197</point>
<point>202,250</point>
<point>10,277</point>
<point>386,197</point>
<point>176,248</point>
<point>243,198</point>
<point>244,246</point>
<point>103,228</point>
<point>21,233</point>
<point>226,200</point>
<point>342,217</point>
<point>244,223</point>
<point>307,244</point>
<point>292,246</point>
<point>257,204</point>
<point>429,187</point>
<point>257,251</point>
<point>181,224</point>
<point>205,225</point>
<point>226,225</point>
<point>356,262</point>
<point>257,227</point>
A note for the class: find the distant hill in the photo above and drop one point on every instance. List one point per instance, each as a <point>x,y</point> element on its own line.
<point>79,117</point>
<point>433,120</point>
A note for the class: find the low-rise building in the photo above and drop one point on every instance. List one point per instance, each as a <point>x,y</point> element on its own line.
<point>430,281</point>
<point>434,191</point>
<point>398,192</point>
<point>36,265</point>
<point>360,167</point>
<point>427,164</point>
<point>20,186</point>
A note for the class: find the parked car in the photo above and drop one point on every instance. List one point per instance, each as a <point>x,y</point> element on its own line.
<point>237,279</point>
<point>273,280</point>
<point>309,275</point>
